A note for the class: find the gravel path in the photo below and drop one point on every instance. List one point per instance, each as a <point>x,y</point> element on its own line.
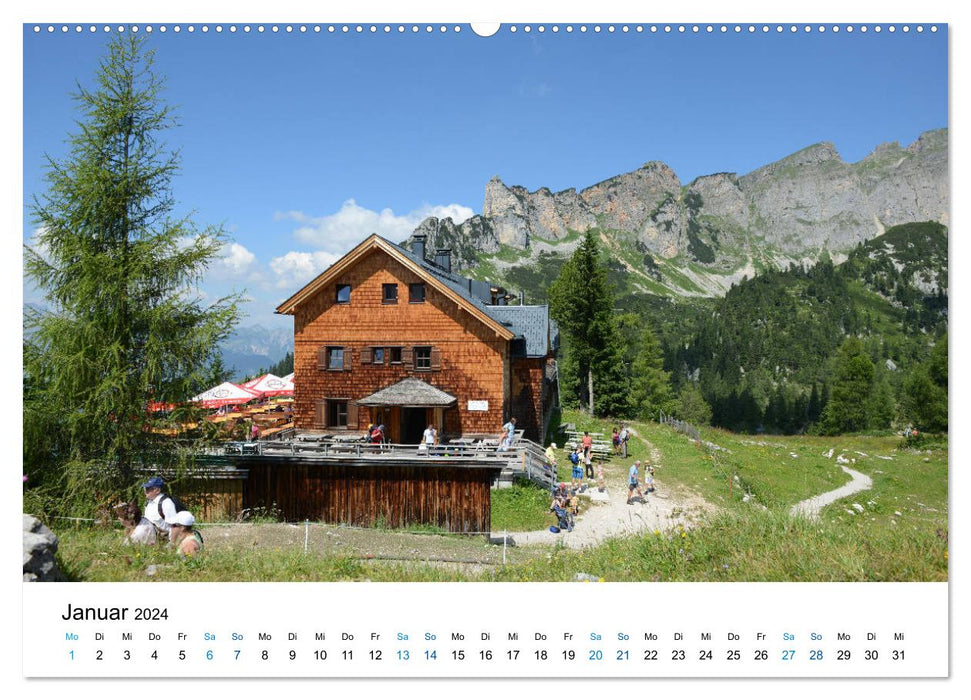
<point>810,507</point>
<point>608,515</point>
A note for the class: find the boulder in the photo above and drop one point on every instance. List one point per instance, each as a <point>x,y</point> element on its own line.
<point>40,545</point>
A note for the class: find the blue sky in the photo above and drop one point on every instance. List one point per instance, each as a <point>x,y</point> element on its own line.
<point>303,144</point>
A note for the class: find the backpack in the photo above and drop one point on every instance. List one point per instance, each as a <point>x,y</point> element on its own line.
<point>175,502</point>
<point>574,457</point>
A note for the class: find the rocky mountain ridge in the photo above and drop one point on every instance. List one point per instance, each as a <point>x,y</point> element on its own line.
<point>719,226</point>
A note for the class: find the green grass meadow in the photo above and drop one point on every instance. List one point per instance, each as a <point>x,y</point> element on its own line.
<point>895,531</point>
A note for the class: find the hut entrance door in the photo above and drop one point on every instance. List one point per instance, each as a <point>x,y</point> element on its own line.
<point>413,424</point>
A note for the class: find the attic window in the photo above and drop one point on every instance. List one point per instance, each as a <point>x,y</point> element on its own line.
<point>416,292</point>
<point>343,294</point>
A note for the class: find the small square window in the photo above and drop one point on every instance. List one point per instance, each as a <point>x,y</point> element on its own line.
<point>389,293</point>
<point>335,358</point>
<point>423,357</point>
<point>377,356</point>
<point>394,356</point>
<point>416,292</point>
<point>343,294</point>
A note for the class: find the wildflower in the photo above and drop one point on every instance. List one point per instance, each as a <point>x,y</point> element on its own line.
<point>724,566</point>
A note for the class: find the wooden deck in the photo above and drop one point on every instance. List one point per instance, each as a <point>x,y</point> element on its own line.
<point>345,480</point>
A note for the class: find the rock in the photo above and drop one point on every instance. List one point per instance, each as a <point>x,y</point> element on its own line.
<point>40,546</point>
<point>585,577</point>
<point>502,539</point>
<point>858,507</point>
<point>809,201</point>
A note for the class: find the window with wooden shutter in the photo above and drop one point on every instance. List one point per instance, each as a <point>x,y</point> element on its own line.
<point>366,356</point>
<point>322,358</point>
<point>436,358</point>
<point>407,356</point>
<point>320,421</point>
<point>352,414</point>
<point>423,357</point>
<point>347,359</point>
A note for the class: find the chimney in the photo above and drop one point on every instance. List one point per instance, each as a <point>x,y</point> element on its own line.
<point>443,258</point>
<point>418,245</point>
<point>522,297</point>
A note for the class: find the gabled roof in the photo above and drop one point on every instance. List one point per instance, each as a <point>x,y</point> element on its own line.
<point>532,323</point>
<point>448,284</point>
<point>409,392</point>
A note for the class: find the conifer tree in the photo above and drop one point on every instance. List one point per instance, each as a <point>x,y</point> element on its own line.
<point>583,305</point>
<point>123,324</point>
<point>925,392</point>
<point>847,408</point>
<point>692,406</point>
<point>650,385</point>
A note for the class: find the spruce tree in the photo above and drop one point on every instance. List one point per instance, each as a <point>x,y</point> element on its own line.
<point>925,392</point>
<point>124,324</point>
<point>583,305</point>
<point>650,384</point>
<point>692,407</point>
<point>847,410</point>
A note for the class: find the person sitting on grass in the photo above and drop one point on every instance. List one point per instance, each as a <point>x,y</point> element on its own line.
<point>560,505</point>
<point>185,538</point>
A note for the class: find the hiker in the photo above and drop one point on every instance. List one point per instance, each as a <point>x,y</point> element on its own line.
<point>159,507</point>
<point>377,435</point>
<point>615,439</point>
<point>428,439</point>
<point>187,540</point>
<point>587,444</point>
<point>588,462</point>
<point>551,455</point>
<point>633,484</point>
<point>508,435</point>
<point>138,528</point>
<point>577,475</point>
<point>624,436</point>
<point>648,477</point>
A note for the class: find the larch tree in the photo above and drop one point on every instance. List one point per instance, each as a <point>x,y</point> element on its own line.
<point>124,323</point>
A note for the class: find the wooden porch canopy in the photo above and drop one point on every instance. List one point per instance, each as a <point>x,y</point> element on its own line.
<point>412,393</point>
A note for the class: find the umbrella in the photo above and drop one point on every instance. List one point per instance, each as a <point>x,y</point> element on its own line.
<point>225,394</point>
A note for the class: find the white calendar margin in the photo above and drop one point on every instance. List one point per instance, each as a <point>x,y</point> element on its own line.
<point>406,631</point>
<point>498,10</point>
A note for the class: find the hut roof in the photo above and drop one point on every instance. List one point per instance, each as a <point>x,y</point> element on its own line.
<point>409,392</point>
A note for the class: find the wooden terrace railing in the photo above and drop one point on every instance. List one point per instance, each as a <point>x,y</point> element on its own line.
<point>525,458</point>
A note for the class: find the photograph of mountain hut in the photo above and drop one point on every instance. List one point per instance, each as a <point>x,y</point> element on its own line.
<point>273,330</point>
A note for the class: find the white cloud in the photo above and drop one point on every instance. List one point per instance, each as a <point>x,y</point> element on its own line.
<point>339,232</point>
<point>236,259</point>
<point>295,269</point>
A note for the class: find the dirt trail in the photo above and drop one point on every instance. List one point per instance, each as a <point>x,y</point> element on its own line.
<point>608,515</point>
<point>811,506</point>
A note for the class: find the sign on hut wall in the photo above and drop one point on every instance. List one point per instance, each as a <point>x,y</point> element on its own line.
<point>477,405</point>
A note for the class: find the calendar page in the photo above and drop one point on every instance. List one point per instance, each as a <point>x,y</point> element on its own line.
<point>392,345</point>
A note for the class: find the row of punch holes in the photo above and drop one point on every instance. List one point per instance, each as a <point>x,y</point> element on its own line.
<point>512,29</point>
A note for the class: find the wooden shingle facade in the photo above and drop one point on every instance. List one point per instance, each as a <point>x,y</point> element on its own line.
<point>386,336</point>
